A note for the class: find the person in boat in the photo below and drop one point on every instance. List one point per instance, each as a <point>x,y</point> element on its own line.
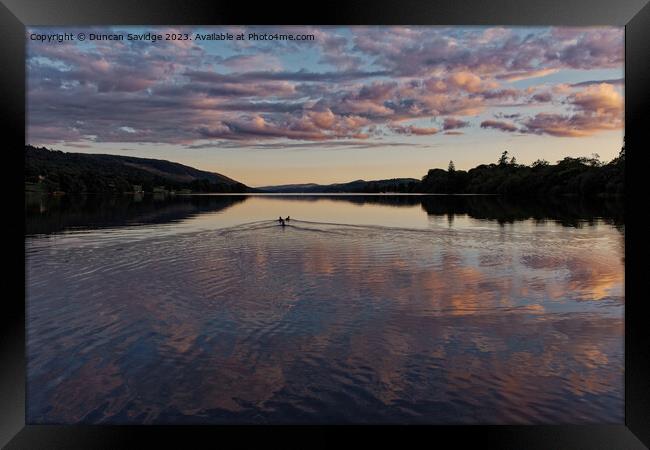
<point>287,219</point>
<point>281,221</point>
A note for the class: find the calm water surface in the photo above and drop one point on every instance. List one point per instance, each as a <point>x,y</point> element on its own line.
<point>364,309</point>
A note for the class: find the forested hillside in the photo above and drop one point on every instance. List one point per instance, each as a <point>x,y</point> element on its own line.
<point>51,171</point>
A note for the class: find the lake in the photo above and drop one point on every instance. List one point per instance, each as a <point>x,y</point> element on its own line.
<point>363,309</point>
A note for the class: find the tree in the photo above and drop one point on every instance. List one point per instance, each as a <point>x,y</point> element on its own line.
<point>622,152</point>
<point>594,160</point>
<point>452,167</point>
<point>503,160</point>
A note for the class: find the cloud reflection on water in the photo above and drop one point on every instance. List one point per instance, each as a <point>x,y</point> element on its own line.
<point>330,323</point>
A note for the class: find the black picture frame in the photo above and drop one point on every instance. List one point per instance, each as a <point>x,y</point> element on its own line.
<point>15,15</point>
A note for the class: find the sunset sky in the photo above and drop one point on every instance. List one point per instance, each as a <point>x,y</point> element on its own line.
<point>354,103</point>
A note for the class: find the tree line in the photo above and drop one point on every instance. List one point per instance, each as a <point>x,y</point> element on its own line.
<point>51,171</point>
<point>582,176</point>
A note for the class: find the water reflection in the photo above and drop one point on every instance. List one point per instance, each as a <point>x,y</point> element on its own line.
<point>334,323</point>
<point>47,214</point>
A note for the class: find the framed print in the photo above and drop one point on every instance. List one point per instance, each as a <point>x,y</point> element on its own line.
<point>408,222</point>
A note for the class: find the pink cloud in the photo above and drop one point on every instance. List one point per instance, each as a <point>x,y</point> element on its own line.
<point>602,99</point>
<point>597,108</point>
<point>525,74</point>
<point>413,130</point>
<point>375,77</point>
<point>469,82</point>
<point>560,125</point>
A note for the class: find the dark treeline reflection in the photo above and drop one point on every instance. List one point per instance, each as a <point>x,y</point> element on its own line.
<point>50,214</point>
<point>569,211</point>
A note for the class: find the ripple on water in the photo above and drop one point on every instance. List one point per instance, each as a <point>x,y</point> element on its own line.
<point>319,322</point>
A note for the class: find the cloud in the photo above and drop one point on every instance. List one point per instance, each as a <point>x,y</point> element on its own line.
<point>350,83</point>
<point>597,108</point>
<point>413,130</point>
<point>615,81</point>
<point>577,125</point>
<point>468,81</point>
<point>601,99</point>
<point>499,125</point>
<point>258,127</point>
<point>299,75</point>
<point>526,74</point>
<point>311,125</point>
<point>336,52</point>
<point>452,123</point>
<point>330,144</point>
<point>259,61</point>
<point>560,125</point>
<point>501,94</point>
<point>507,116</point>
<point>542,97</point>
<point>513,56</point>
<point>594,47</point>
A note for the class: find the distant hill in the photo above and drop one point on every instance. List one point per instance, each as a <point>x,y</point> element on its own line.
<point>357,186</point>
<point>52,170</point>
